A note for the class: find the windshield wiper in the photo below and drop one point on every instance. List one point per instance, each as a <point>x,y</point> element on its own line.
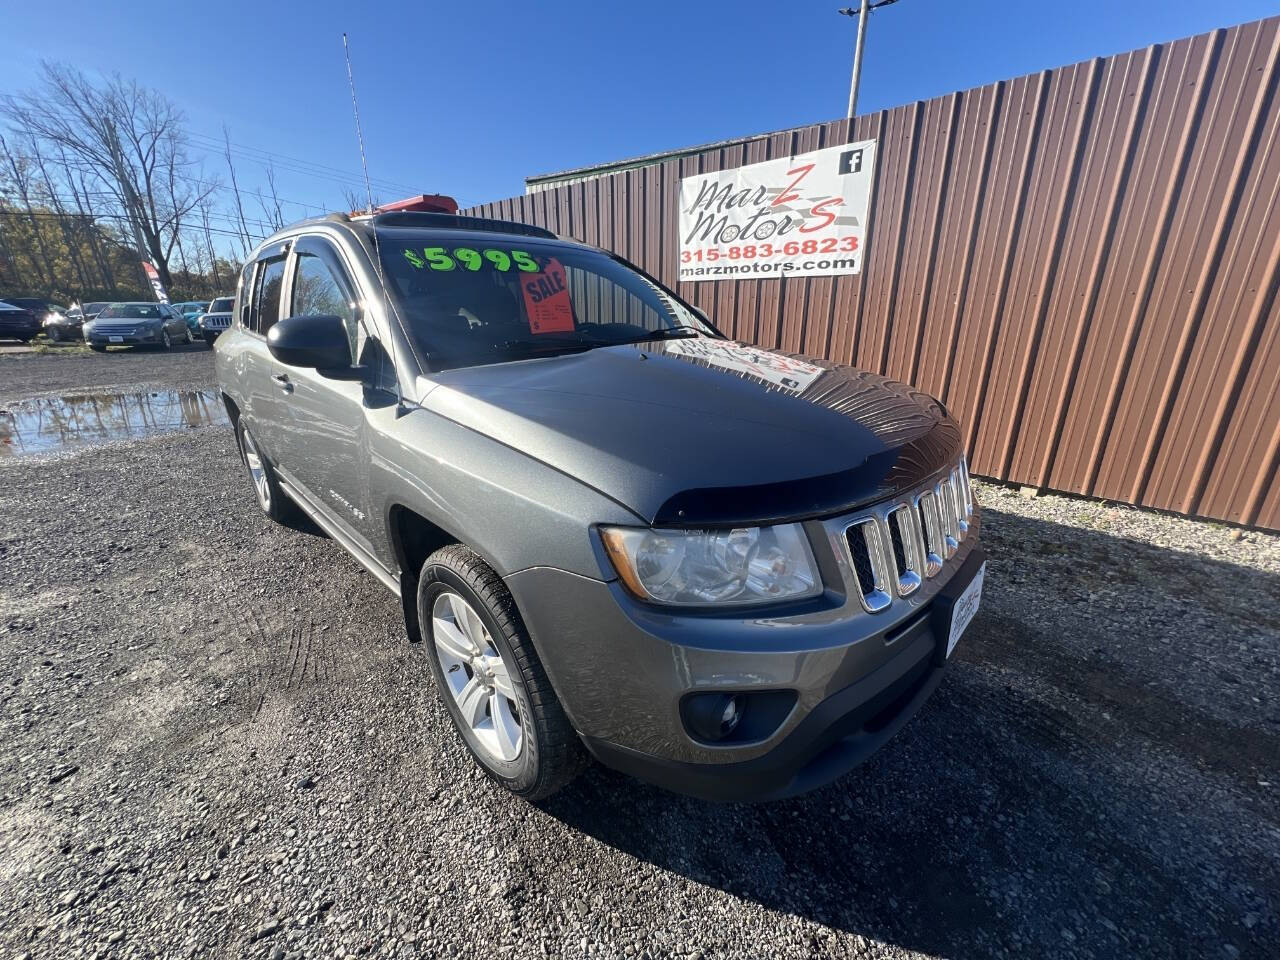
<point>666,333</point>
<point>546,344</point>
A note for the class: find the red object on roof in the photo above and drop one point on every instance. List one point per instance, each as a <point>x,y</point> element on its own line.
<point>423,203</point>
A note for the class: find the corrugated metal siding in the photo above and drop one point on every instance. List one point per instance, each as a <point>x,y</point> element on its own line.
<point>1082,263</point>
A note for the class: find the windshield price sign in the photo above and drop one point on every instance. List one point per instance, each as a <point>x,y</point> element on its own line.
<point>801,216</point>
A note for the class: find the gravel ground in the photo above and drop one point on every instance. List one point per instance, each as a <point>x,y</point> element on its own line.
<point>215,741</point>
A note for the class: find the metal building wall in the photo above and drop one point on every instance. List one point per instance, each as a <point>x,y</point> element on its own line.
<point>1081,263</point>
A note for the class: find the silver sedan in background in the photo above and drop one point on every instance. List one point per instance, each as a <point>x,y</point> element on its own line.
<point>137,323</point>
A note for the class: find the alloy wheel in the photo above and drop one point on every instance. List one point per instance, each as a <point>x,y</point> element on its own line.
<point>257,470</point>
<point>478,677</point>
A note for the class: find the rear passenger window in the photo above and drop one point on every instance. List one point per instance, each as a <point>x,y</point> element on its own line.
<point>266,305</point>
<point>245,293</point>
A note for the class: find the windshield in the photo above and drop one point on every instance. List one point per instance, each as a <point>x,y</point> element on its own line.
<point>472,301</point>
<point>131,311</point>
<point>221,305</point>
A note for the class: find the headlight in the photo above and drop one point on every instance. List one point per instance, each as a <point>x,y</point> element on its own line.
<point>742,565</point>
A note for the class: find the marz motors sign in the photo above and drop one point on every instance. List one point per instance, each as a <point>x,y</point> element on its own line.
<point>801,216</point>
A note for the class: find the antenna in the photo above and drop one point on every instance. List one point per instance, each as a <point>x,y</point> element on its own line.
<point>401,409</point>
<point>355,108</point>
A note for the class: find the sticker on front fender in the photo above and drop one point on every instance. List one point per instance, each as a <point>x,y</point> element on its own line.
<point>965,607</point>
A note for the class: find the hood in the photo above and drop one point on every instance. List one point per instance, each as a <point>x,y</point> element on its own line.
<point>702,431</point>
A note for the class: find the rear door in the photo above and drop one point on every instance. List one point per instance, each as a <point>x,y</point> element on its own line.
<point>322,447</point>
<point>265,396</point>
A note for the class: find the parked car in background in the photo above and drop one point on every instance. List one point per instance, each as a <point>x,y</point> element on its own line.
<point>38,305</point>
<point>191,311</point>
<point>62,326</point>
<point>730,571</point>
<point>216,319</point>
<point>18,323</point>
<point>137,323</point>
<point>42,308</point>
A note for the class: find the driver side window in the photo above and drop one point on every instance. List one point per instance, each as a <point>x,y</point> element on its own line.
<point>316,290</point>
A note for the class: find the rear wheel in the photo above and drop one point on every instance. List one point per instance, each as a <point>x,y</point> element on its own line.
<point>490,678</point>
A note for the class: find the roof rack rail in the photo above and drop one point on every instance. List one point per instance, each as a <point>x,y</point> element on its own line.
<point>459,222</point>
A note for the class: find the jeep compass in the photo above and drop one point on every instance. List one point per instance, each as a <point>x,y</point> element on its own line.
<point>730,571</point>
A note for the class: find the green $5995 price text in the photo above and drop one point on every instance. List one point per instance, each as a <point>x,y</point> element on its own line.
<point>438,258</point>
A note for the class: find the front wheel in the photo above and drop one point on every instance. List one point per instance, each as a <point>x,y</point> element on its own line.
<point>98,347</point>
<point>166,341</point>
<point>265,488</point>
<point>490,678</point>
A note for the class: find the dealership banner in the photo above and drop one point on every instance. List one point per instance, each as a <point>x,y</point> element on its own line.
<point>800,216</point>
<point>156,286</point>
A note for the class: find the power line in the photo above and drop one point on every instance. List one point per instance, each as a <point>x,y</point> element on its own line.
<point>297,165</point>
<point>45,214</point>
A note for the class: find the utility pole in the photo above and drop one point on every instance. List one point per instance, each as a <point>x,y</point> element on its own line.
<point>863,15</point>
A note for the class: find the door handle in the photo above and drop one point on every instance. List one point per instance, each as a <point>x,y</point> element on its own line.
<point>283,380</point>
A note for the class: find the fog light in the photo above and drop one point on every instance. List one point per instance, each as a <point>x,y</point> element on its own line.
<point>712,716</point>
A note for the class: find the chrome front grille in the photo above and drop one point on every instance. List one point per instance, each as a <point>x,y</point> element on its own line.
<point>900,544</point>
<point>114,329</point>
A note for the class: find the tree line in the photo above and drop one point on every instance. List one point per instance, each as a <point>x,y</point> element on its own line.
<point>97,176</point>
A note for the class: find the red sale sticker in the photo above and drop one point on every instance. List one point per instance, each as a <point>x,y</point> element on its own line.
<point>546,299</point>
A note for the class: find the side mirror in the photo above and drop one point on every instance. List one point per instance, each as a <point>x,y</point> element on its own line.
<point>318,341</point>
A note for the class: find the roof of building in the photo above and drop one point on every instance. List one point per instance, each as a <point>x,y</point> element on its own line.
<point>542,181</point>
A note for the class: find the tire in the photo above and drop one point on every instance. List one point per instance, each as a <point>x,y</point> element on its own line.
<point>549,755</point>
<point>98,347</point>
<point>166,342</point>
<point>188,341</point>
<point>266,489</point>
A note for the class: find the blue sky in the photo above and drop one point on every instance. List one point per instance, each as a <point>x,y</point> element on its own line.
<point>468,98</point>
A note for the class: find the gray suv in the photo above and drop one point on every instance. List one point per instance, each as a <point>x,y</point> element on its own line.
<point>729,571</point>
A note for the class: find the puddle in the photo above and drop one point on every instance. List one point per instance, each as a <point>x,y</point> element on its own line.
<point>62,423</point>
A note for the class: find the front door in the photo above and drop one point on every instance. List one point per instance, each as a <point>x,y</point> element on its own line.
<point>321,445</point>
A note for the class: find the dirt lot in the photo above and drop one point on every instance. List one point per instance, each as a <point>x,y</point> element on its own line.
<point>215,741</point>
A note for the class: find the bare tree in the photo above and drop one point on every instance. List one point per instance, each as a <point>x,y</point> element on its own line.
<point>245,243</point>
<point>357,201</point>
<point>128,138</point>
<point>65,222</point>
<point>80,193</point>
<point>274,212</point>
<point>22,185</point>
<point>208,242</point>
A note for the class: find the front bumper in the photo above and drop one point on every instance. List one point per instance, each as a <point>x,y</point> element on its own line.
<point>621,669</point>
<point>125,340</point>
